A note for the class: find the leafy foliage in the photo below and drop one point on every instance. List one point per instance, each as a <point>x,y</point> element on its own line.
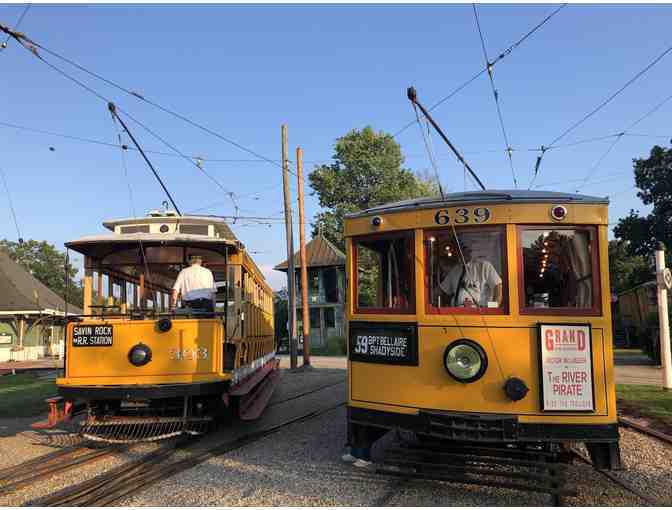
<point>47,264</point>
<point>653,178</point>
<point>626,270</point>
<point>367,171</point>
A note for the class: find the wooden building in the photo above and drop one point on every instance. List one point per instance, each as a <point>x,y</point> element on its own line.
<point>28,310</point>
<point>326,290</point>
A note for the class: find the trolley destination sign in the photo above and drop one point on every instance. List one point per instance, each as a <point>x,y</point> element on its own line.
<point>566,367</point>
<point>92,336</point>
<point>391,344</point>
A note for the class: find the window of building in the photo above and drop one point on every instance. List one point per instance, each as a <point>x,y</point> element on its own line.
<point>329,318</point>
<point>384,276</point>
<point>559,269</point>
<point>330,279</point>
<point>314,316</point>
<point>466,270</point>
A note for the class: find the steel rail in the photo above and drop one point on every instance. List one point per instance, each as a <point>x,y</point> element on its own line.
<point>51,465</point>
<point>123,480</point>
<point>630,423</point>
<point>609,475</point>
<point>112,486</point>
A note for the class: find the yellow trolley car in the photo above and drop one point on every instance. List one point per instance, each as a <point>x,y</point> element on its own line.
<point>147,372</point>
<point>482,318</point>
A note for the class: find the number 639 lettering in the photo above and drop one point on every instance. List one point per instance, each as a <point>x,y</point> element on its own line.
<point>462,215</point>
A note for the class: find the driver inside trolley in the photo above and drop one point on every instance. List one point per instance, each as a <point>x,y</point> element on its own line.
<point>473,282</point>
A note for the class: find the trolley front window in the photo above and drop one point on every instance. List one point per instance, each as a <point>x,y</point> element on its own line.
<point>559,270</point>
<point>384,275</point>
<point>466,270</point>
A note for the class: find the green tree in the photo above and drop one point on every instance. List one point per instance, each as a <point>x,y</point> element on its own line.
<point>626,270</point>
<point>653,177</point>
<point>367,171</point>
<point>47,264</point>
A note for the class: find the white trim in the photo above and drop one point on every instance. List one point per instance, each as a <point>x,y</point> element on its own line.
<point>240,373</point>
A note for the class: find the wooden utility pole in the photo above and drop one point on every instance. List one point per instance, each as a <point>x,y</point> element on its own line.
<point>304,263</point>
<point>291,287</point>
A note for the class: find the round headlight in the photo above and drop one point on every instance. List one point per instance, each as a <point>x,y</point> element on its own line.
<point>465,360</point>
<point>140,355</point>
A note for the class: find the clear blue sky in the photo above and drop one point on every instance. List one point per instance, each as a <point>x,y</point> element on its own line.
<point>323,70</point>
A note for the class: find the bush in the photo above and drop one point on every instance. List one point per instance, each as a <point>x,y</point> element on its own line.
<point>336,346</point>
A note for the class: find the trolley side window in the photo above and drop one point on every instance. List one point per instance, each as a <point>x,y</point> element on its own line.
<point>384,274</point>
<point>466,270</point>
<point>559,270</point>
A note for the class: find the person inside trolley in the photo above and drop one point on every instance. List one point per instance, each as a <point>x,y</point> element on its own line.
<point>473,282</point>
<point>196,285</point>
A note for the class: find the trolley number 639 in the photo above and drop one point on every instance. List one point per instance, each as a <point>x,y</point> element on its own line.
<point>462,215</point>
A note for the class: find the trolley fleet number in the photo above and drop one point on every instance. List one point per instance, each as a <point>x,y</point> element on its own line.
<point>462,215</point>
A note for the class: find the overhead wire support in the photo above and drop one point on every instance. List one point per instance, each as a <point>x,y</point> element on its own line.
<point>413,98</point>
<point>115,115</point>
<point>489,67</point>
<point>500,57</point>
<point>604,103</point>
<point>16,26</point>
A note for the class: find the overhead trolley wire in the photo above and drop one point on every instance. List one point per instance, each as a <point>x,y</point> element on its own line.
<point>125,147</point>
<point>24,39</point>
<point>592,112</point>
<point>473,78</point>
<point>619,137</point>
<point>30,46</point>
<point>495,94</point>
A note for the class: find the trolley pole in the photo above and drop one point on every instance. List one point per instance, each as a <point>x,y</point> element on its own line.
<point>291,287</point>
<point>305,316</point>
<point>664,279</point>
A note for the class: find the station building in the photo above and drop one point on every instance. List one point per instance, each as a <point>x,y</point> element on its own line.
<point>29,313</point>
<point>326,290</point>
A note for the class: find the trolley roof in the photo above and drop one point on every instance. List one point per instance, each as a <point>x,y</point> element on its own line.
<point>482,197</point>
<point>162,228</point>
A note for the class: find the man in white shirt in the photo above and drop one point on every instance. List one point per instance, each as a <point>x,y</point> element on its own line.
<point>473,283</point>
<point>196,285</point>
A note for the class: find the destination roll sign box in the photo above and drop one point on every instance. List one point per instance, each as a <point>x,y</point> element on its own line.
<point>391,344</point>
<point>94,335</point>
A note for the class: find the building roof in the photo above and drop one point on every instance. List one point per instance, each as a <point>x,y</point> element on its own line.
<point>483,197</point>
<point>21,291</point>
<point>319,253</point>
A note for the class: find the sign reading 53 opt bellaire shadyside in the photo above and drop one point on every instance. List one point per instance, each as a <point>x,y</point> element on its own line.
<point>390,344</point>
<point>566,367</point>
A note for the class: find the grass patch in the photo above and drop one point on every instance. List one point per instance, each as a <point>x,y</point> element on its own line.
<point>647,400</point>
<point>23,395</point>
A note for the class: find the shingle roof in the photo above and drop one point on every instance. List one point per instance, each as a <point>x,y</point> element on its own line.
<point>20,288</point>
<point>319,253</point>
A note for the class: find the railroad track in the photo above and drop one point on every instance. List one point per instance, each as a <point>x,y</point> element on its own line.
<point>124,480</point>
<point>615,479</point>
<point>49,465</point>
<point>624,421</point>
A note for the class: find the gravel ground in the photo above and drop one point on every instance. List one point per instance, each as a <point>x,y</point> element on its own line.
<point>300,466</point>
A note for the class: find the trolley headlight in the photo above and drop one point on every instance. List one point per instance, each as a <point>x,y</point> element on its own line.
<point>140,355</point>
<point>465,360</point>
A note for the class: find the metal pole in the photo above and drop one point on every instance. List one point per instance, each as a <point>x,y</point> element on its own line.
<point>291,287</point>
<point>304,262</point>
<point>663,318</point>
